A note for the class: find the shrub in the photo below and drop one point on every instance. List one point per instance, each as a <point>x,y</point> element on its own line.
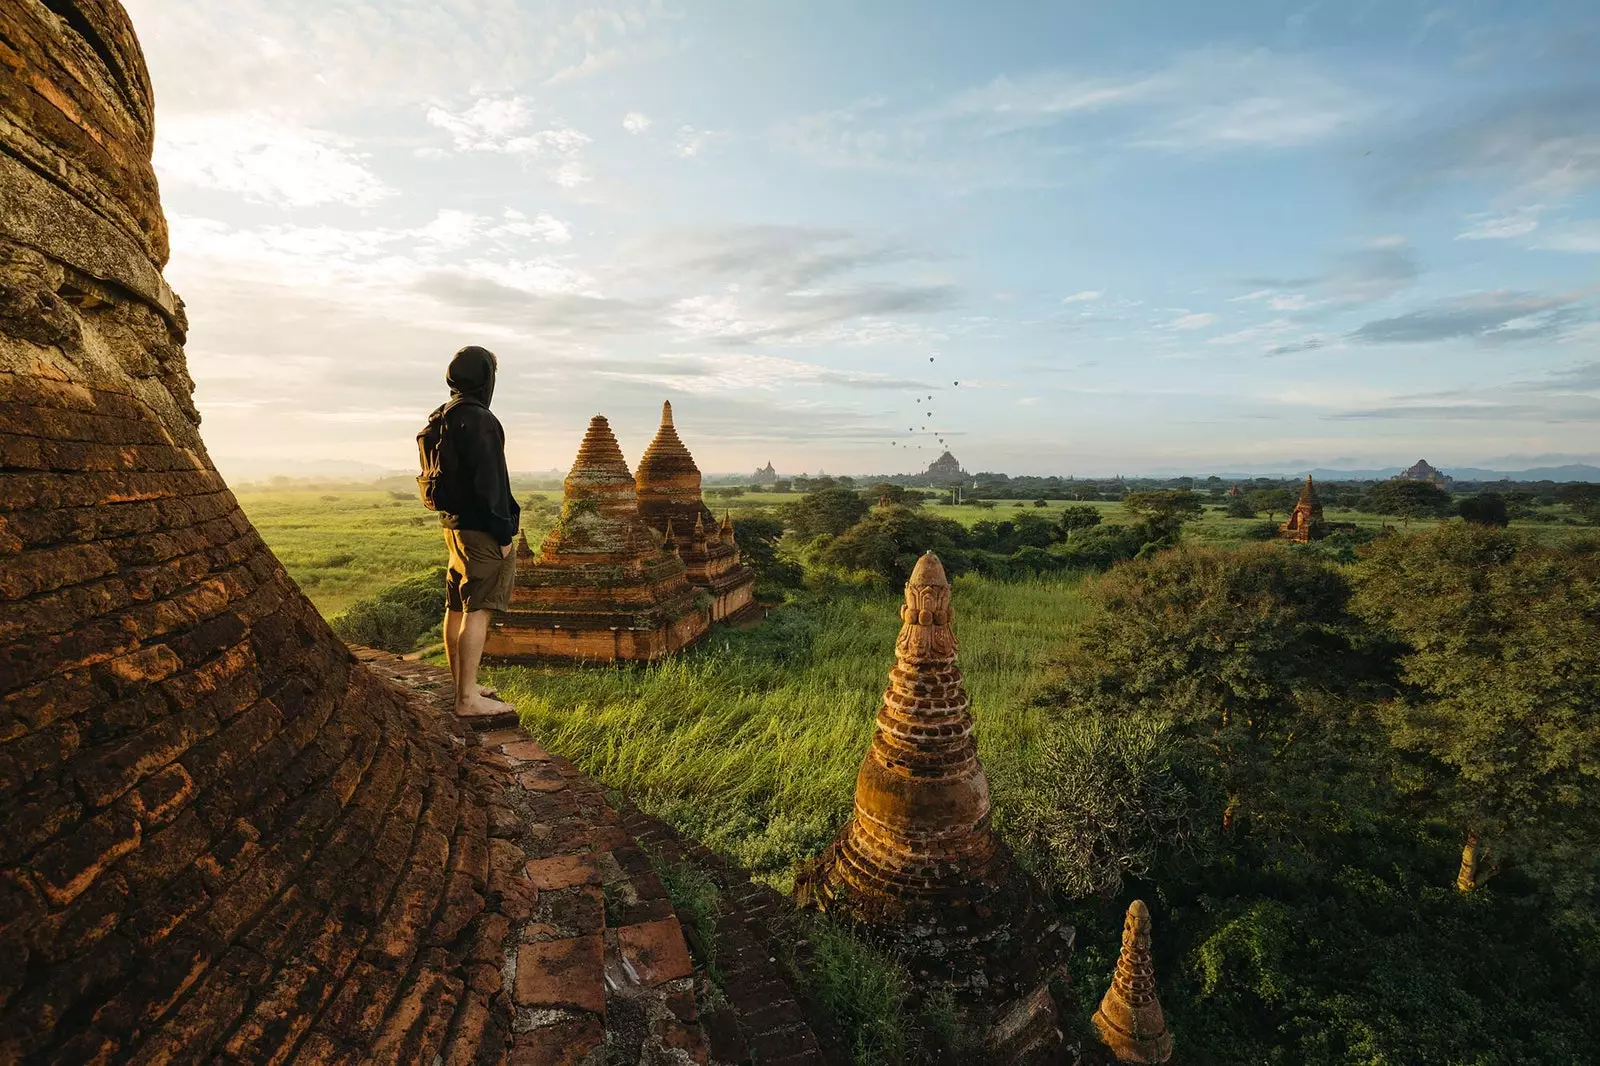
<point>398,616</point>
<point>1112,794</point>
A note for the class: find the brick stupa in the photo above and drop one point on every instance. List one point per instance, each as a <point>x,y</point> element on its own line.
<point>601,587</point>
<point>226,840</point>
<point>1305,521</point>
<point>668,484</point>
<point>1129,1021</point>
<point>918,867</point>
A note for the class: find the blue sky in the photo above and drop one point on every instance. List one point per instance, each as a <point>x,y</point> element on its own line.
<point>1142,237</point>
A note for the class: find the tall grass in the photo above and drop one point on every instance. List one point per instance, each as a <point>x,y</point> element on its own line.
<point>751,742</point>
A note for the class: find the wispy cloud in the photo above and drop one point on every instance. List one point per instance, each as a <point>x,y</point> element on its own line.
<point>1198,320</point>
<point>1494,317</point>
<point>1086,296</point>
<point>265,159</point>
<point>636,122</point>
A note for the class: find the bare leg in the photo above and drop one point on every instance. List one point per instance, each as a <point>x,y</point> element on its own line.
<point>469,649</point>
<point>452,638</point>
<point>453,621</point>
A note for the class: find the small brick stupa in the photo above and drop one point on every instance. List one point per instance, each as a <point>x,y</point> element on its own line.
<point>1306,522</point>
<point>600,587</point>
<point>668,485</point>
<point>1129,1021</point>
<point>918,867</point>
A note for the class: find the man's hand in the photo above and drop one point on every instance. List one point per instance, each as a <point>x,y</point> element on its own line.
<point>505,551</point>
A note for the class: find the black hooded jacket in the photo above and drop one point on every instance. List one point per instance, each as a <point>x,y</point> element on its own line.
<point>477,456</point>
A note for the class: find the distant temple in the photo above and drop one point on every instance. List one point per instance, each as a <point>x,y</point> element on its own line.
<point>1234,492</point>
<point>602,586</point>
<point>946,468</point>
<point>668,484</point>
<point>1306,522</point>
<point>919,867</point>
<point>1422,470</point>
<point>765,476</point>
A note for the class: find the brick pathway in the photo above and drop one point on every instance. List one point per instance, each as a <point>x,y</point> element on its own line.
<point>583,949</point>
<point>764,1020</point>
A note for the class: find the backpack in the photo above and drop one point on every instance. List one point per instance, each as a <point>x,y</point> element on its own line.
<point>435,485</point>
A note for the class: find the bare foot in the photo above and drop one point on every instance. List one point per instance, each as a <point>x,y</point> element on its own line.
<point>479,707</point>
<point>488,693</point>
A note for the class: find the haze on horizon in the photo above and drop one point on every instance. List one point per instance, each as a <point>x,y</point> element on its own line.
<point>1141,236</point>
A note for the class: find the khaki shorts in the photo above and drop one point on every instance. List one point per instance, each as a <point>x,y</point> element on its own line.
<point>478,578</point>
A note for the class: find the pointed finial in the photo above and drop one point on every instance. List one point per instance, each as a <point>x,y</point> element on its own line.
<point>666,412</point>
<point>1129,1021</point>
<point>929,571</point>
<point>523,550</point>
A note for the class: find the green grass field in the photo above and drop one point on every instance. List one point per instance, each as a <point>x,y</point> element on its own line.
<point>751,741</point>
<point>343,542</point>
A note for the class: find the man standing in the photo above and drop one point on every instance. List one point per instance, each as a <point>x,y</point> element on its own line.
<point>480,522</point>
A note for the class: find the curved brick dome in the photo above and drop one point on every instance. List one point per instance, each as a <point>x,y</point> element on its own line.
<point>224,838</point>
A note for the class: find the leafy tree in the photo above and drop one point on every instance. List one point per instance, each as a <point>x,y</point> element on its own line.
<point>899,494</point>
<point>758,537</point>
<point>1041,502</point>
<point>1270,501</point>
<point>1239,507</point>
<point>1501,664</point>
<point>889,540</point>
<point>826,512</point>
<point>1409,499</point>
<point>1075,517</point>
<point>1484,509</point>
<point>1251,653</point>
<point>1111,794</point>
<point>1163,513</point>
<point>1583,497</point>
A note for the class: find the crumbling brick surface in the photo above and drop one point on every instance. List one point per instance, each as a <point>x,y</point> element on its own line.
<point>226,839</point>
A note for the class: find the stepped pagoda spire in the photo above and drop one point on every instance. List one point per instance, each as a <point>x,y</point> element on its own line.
<point>921,828</point>
<point>918,867</point>
<point>1306,522</point>
<point>1129,1020</point>
<point>601,586</point>
<point>668,487</point>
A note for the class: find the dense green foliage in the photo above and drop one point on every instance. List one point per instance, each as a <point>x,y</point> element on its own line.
<point>398,617</point>
<point>1316,920</point>
<point>1501,701</point>
<point>1408,499</point>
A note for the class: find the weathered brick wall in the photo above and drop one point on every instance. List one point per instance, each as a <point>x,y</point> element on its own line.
<point>222,837</point>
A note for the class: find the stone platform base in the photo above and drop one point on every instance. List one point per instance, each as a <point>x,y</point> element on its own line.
<point>525,641</point>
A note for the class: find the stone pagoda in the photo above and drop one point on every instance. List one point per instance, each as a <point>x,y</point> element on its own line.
<point>918,867</point>
<point>1129,1021</point>
<point>601,586</point>
<point>1305,522</point>
<point>668,486</point>
<point>1422,470</point>
<point>946,468</point>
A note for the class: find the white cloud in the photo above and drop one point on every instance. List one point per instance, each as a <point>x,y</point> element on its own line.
<point>1496,227</point>
<point>732,372</point>
<point>1575,237</point>
<point>1086,296</point>
<point>501,125</point>
<point>636,122</point>
<point>543,226</point>
<point>691,142</point>
<point>265,160</point>
<point>1199,320</point>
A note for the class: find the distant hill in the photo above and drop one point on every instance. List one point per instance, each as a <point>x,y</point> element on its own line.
<point>1567,472</point>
